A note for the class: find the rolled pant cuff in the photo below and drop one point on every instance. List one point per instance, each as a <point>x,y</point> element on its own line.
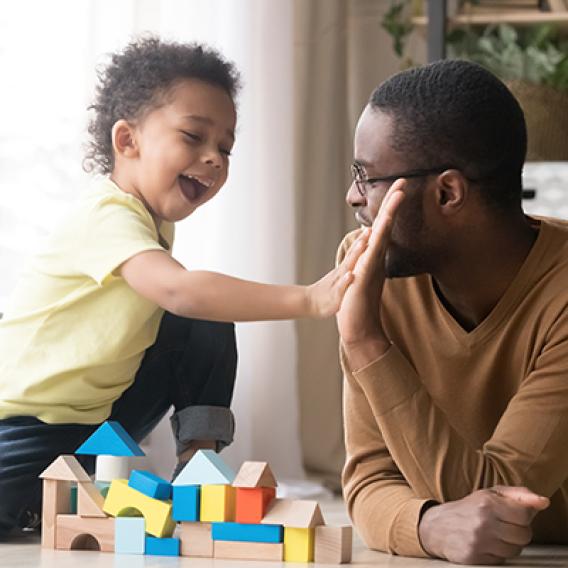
<point>214,423</point>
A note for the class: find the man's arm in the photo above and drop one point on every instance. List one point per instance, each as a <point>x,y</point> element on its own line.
<point>384,508</point>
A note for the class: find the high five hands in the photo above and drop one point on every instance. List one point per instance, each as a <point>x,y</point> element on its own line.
<point>359,319</point>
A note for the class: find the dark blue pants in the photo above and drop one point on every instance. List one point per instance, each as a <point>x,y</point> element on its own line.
<point>191,366</point>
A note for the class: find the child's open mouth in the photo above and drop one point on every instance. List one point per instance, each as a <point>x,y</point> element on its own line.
<point>191,187</point>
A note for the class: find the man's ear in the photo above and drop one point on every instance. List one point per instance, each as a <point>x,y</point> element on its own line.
<point>123,139</point>
<point>451,191</point>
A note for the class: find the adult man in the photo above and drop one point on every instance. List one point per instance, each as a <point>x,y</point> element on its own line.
<point>456,365</point>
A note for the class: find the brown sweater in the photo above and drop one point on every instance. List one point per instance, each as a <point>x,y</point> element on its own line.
<point>446,412</point>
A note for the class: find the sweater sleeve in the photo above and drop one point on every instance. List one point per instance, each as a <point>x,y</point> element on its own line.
<point>380,501</point>
<point>527,448</point>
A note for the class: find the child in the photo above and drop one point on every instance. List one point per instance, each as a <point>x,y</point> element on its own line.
<point>83,338</point>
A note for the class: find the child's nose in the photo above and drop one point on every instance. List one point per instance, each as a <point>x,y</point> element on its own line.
<point>213,157</point>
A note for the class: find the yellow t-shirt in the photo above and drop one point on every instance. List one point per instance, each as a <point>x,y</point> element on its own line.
<point>74,333</point>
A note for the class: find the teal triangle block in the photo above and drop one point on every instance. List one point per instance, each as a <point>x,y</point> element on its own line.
<point>205,468</point>
<point>110,439</point>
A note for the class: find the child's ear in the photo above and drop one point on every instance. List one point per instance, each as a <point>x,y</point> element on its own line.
<point>123,139</point>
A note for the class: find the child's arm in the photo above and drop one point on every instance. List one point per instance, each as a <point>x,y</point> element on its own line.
<point>213,296</point>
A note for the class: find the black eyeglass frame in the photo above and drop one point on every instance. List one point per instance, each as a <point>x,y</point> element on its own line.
<point>357,172</point>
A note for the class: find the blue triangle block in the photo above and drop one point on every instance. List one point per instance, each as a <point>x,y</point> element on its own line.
<point>205,468</point>
<point>110,439</point>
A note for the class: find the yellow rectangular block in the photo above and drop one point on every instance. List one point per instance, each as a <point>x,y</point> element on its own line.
<point>123,501</point>
<point>217,503</point>
<point>298,545</point>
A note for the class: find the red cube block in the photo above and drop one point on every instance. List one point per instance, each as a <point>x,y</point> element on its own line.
<point>252,503</point>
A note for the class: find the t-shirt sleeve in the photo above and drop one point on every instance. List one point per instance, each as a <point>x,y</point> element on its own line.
<point>113,231</point>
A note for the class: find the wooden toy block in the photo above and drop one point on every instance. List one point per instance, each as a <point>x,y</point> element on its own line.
<point>255,474</point>
<point>186,503</point>
<point>129,535</point>
<point>217,503</point>
<point>123,501</point>
<point>84,533</point>
<point>333,545</point>
<point>65,468</point>
<point>293,513</point>
<point>252,504</point>
<point>162,546</point>
<point>248,550</point>
<point>56,501</point>
<point>150,484</point>
<point>196,540</point>
<point>110,439</point>
<point>246,533</point>
<point>109,468</point>
<point>298,545</point>
<point>89,501</point>
<point>205,468</point>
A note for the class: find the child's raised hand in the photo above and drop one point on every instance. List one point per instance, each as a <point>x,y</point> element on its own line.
<point>325,295</point>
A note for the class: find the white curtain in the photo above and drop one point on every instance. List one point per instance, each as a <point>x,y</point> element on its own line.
<point>48,51</point>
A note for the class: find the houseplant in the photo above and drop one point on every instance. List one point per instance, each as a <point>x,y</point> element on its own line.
<point>532,61</point>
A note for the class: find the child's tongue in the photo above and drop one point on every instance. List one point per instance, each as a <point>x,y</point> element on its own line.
<point>190,187</point>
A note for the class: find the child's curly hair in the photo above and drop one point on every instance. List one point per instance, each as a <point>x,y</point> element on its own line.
<point>136,81</point>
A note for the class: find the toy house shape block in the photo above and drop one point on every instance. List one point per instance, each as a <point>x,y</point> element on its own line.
<point>110,439</point>
<point>82,533</point>
<point>299,519</point>
<point>333,545</point>
<point>205,468</point>
<point>57,479</point>
<point>256,487</point>
<point>216,499</point>
<point>123,501</point>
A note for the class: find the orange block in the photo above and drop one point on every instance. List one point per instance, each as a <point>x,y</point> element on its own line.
<point>252,503</point>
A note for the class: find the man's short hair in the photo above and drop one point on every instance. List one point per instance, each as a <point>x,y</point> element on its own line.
<point>456,113</point>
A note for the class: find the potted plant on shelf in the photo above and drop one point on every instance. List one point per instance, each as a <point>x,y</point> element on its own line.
<point>532,61</point>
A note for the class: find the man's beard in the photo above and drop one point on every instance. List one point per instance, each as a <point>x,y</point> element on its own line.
<point>401,263</point>
<point>409,259</point>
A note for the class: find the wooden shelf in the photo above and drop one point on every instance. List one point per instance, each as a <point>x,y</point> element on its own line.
<point>516,18</point>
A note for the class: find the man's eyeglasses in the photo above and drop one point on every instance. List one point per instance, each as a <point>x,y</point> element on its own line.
<point>362,182</point>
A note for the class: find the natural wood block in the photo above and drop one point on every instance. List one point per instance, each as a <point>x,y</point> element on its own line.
<point>298,545</point>
<point>84,533</point>
<point>217,503</point>
<point>89,501</point>
<point>333,545</point>
<point>248,550</point>
<point>65,468</point>
<point>196,539</point>
<point>255,474</point>
<point>56,501</point>
<point>251,504</point>
<point>294,513</point>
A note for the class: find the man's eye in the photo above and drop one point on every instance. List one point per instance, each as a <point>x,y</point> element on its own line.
<point>225,151</point>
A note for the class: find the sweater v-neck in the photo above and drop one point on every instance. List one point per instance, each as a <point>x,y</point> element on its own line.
<point>508,302</point>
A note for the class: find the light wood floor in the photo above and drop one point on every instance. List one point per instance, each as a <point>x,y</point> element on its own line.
<point>25,552</point>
